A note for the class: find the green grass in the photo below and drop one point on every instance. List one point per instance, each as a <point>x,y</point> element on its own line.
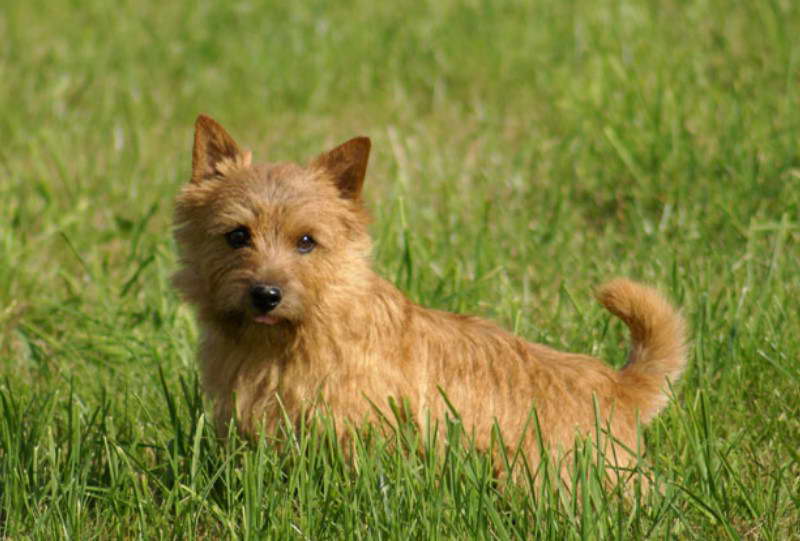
<point>523,152</point>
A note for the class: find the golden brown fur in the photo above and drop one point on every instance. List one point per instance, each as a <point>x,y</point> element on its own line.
<point>344,339</point>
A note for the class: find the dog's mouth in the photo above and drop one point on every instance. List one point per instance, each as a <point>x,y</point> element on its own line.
<point>267,319</point>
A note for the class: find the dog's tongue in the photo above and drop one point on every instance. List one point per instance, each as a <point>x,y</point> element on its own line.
<point>267,319</point>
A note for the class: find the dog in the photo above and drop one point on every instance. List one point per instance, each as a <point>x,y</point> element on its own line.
<point>275,259</point>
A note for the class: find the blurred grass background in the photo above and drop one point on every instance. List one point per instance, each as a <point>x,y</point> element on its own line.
<point>523,152</point>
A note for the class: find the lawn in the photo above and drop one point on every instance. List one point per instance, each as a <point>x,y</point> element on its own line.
<point>523,152</point>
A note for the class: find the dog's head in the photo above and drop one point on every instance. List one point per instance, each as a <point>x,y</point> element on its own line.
<point>267,244</point>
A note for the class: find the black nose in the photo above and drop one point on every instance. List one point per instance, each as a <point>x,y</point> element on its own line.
<point>265,298</point>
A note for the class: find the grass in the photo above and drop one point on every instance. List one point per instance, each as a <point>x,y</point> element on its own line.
<point>523,152</point>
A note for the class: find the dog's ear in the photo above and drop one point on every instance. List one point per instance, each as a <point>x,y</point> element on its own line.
<point>348,165</point>
<point>215,152</point>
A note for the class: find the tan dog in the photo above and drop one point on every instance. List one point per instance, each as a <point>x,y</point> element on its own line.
<point>276,260</point>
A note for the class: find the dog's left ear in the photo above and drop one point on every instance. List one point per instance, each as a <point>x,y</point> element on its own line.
<point>214,152</point>
<point>348,165</point>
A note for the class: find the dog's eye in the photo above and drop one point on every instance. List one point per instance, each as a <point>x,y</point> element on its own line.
<point>305,244</point>
<point>238,238</point>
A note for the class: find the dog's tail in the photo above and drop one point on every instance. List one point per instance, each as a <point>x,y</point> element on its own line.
<point>659,343</point>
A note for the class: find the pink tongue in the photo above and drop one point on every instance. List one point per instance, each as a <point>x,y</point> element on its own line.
<point>267,319</point>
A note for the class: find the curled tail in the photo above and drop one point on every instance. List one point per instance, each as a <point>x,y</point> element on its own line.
<point>659,343</point>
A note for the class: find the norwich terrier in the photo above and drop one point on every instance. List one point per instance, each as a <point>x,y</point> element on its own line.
<point>275,259</point>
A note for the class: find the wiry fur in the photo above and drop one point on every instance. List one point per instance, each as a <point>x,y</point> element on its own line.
<point>349,341</point>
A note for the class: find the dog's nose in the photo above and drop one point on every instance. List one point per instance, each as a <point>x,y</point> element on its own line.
<point>265,297</point>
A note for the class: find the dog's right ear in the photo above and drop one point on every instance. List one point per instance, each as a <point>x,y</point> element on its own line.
<point>215,152</point>
<point>348,165</point>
